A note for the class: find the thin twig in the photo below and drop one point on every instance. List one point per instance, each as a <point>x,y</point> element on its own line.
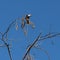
<point>43,51</point>
<point>9,27</point>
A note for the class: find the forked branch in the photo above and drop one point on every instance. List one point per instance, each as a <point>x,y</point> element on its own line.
<point>39,38</point>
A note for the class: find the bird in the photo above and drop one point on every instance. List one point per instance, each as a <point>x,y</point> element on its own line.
<point>26,20</point>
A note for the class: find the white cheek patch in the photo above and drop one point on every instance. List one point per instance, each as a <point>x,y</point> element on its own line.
<point>29,14</point>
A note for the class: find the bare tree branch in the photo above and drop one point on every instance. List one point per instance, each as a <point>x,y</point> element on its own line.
<point>31,46</point>
<point>28,57</point>
<point>9,51</point>
<point>7,46</point>
<point>39,38</point>
<point>9,27</point>
<point>49,36</point>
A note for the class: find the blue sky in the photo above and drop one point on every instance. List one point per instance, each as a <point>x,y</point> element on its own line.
<point>46,17</point>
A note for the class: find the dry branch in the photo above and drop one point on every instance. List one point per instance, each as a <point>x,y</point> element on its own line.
<point>39,38</point>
